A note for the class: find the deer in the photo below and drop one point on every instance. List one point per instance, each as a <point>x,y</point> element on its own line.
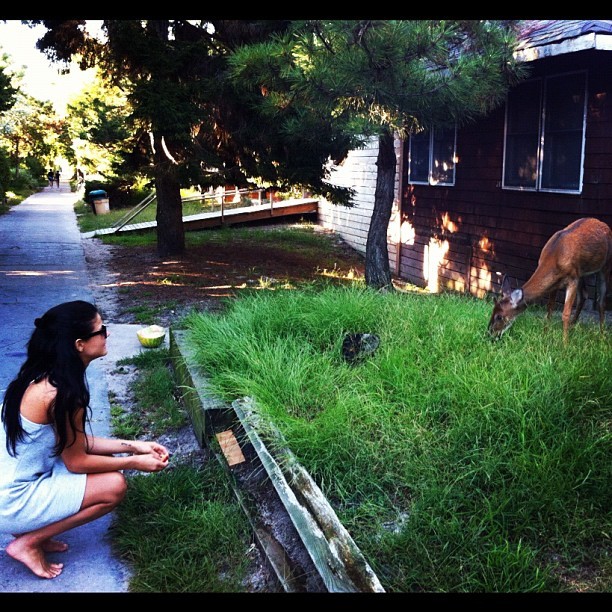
<point>582,248</point>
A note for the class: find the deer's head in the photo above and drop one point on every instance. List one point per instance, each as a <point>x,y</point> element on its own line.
<point>506,309</point>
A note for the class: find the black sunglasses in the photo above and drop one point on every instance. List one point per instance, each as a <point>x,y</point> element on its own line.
<point>102,331</point>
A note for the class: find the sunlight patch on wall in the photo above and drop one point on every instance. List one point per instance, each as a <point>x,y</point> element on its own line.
<point>448,224</point>
<point>481,274</point>
<point>456,284</point>
<point>392,229</point>
<point>405,233</point>
<point>485,244</point>
<point>483,278</point>
<point>433,257</point>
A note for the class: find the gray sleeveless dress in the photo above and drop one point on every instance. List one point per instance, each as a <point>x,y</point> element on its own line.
<point>36,488</point>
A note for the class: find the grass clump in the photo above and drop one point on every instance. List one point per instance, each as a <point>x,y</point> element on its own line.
<point>457,464</point>
<point>158,406</point>
<point>147,315</point>
<point>181,530</point>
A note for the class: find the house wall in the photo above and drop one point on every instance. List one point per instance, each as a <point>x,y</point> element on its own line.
<point>358,171</point>
<point>466,237</point>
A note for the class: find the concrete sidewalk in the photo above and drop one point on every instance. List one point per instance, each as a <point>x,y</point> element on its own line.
<point>42,263</point>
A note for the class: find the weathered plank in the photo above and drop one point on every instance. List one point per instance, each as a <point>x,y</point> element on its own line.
<point>337,559</point>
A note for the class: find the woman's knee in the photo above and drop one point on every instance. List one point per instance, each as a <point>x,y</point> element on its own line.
<point>119,486</point>
<point>106,488</point>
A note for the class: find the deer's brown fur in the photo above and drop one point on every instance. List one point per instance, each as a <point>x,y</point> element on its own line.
<point>582,248</point>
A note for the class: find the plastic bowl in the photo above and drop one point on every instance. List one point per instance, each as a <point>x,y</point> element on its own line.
<point>151,336</point>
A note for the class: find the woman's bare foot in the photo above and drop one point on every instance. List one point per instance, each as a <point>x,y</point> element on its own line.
<point>54,546</point>
<point>33,558</point>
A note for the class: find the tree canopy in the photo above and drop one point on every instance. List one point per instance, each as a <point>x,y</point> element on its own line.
<point>7,90</point>
<point>216,101</point>
<point>29,128</point>
<point>194,126</point>
<point>390,77</point>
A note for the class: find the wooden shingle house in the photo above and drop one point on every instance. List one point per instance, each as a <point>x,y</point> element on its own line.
<point>478,202</point>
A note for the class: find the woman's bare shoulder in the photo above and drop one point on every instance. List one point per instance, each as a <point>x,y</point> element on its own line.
<point>37,400</point>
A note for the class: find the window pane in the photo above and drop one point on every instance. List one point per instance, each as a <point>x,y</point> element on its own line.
<point>565,102</point>
<point>562,161</point>
<point>521,168</point>
<point>563,131</point>
<point>522,132</point>
<point>419,158</point>
<point>443,162</point>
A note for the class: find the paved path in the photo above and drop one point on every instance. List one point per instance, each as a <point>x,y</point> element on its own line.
<point>42,263</point>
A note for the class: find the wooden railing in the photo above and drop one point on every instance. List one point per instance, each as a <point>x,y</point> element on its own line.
<point>237,198</point>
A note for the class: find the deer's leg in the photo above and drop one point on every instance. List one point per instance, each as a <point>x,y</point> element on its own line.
<point>581,296</point>
<point>602,287</point>
<point>570,297</point>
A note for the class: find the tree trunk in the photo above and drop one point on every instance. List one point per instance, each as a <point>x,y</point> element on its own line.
<point>15,159</point>
<point>377,270</point>
<point>170,228</point>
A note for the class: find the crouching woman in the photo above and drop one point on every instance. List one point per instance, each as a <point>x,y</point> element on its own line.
<point>55,474</point>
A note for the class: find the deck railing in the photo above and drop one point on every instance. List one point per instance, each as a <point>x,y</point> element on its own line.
<point>237,198</point>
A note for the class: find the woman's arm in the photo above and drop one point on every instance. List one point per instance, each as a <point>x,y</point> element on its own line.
<point>98,456</point>
<point>112,446</point>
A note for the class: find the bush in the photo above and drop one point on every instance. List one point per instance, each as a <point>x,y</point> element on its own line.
<point>119,194</point>
<point>36,168</point>
<point>25,181</point>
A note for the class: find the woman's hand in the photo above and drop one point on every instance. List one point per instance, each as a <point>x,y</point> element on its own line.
<point>143,447</point>
<point>95,455</point>
<point>149,462</point>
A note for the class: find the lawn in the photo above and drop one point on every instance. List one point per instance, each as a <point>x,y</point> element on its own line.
<point>458,464</point>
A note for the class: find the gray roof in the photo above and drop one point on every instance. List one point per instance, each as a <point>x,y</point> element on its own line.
<point>540,39</point>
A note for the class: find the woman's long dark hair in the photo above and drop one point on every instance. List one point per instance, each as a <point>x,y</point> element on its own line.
<point>52,354</point>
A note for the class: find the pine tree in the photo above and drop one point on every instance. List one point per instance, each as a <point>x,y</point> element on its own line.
<point>385,78</point>
<point>195,124</point>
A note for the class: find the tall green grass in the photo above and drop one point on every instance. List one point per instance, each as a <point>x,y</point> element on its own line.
<point>457,463</point>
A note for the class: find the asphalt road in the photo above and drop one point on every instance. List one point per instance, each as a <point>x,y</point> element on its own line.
<point>42,263</point>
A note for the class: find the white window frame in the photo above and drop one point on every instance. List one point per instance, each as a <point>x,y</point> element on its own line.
<point>432,161</point>
<point>541,149</point>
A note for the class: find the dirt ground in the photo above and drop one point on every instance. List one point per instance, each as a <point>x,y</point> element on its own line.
<point>126,281</point>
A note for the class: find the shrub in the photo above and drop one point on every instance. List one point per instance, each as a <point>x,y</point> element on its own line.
<point>24,180</point>
<point>120,194</point>
<point>36,168</point>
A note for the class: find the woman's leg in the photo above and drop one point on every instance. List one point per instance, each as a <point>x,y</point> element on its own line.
<point>103,493</point>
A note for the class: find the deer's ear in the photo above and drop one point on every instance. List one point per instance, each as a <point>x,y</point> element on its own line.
<point>516,297</point>
<point>506,288</point>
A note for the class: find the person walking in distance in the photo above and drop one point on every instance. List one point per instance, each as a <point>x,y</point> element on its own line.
<point>56,475</point>
<point>57,178</point>
<point>50,177</point>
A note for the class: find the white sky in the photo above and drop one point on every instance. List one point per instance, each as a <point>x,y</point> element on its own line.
<point>42,79</point>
